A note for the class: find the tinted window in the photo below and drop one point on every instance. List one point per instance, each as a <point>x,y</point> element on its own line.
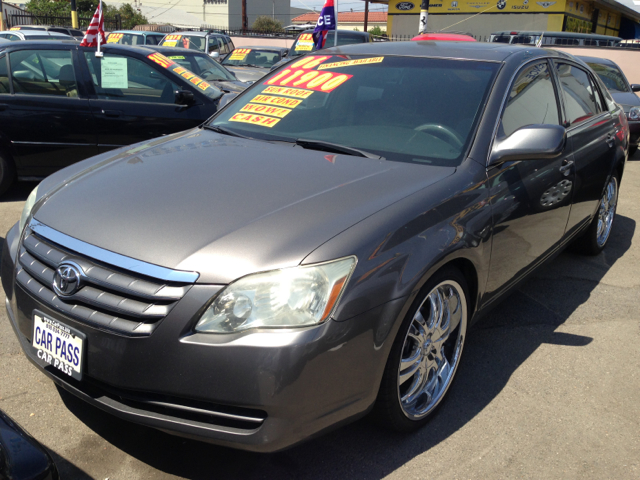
<point>59,30</point>
<point>203,66</point>
<point>579,96</point>
<point>129,79</point>
<point>532,100</point>
<point>501,39</point>
<point>611,77</point>
<point>153,39</point>
<point>230,42</point>
<point>369,103</point>
<point>77,33</point>
<point>4,76</point>
<point>43,72</point>
<point>12,37</point>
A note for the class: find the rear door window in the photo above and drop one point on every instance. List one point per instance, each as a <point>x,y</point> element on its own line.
<point>578,92</point>
<point>43,72</point>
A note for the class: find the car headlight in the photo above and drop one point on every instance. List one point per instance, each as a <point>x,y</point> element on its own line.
<point>26,211</point>
<point>291,297</point>
<point>634,113</point>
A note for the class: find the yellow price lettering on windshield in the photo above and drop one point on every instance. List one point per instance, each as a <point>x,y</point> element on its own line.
<point>203,85</point>
<point>187,75</point>
<point>170,43</point>
<point>280,101</point>
<point>304,47</point>
<point>14,28</point>
<point>266,110</point>
<point>349,63</point>
<point>305,42</point>
<point>161,60</point>
<point>176,57</point>
<point>239,53</point>
<point>179,70</point>
<point>196,80</point>
<point>114,37</point>
<point>173,37</point>
<point>261,120</point>
<point>289,92</point>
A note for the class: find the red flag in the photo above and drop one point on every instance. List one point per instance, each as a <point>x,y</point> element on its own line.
<point>95,31</point>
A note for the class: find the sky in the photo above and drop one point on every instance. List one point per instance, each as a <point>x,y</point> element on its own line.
<point>343,5</point>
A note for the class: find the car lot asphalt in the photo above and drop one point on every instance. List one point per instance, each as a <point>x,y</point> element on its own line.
<point>549,387</point>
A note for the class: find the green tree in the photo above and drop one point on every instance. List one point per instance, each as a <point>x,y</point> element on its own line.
<point>377,31</point>
<point>130,16</point>
<point>267,25</point>
<point>59,8</point>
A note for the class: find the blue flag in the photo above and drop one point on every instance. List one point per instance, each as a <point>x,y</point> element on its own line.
<point>326,22</point>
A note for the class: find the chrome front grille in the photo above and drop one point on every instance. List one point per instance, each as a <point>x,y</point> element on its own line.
<point>110,297</point>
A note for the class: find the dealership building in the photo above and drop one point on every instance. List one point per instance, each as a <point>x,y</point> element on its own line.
<point>481,18</point>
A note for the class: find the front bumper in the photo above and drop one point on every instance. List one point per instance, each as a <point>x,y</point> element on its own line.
<point>261,391</point>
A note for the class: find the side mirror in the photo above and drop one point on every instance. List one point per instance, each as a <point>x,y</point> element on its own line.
<point>214,54</point>
<point>635,87</point>
<point>184,97</point>
<point>533,142</point>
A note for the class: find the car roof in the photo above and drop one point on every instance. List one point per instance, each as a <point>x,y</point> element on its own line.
<point>263,47</point>
<point>602,61</point>
<point>28,33</point>
<point>592,36</point>
<point>139,32</point>
<point>496,52</point>
<point>161,49</point>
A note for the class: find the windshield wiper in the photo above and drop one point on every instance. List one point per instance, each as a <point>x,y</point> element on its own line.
<point>224,131</point>
<point>336,148</point>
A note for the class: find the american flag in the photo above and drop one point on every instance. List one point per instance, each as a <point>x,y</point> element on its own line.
<point>95,32</point>
<point>326,22</point>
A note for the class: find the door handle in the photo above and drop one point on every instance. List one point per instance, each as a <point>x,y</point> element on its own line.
<point>566,166</point>
<point>111,113</point>
<point>610,140</point>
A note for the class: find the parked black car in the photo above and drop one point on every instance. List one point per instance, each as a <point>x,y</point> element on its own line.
<point>304,44</point>
<point>319,248</point>
<point>59,103</point>
<point>22,457</point>
<point>622,92</point>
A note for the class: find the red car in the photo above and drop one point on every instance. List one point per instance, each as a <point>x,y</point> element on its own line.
<point>447,37</point>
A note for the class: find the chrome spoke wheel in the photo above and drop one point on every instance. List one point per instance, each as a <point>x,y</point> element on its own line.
<point>607,211</point>
<point>431,349</point>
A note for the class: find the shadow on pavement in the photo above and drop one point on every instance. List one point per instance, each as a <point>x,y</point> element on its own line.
<point>495,348</point>
<point>18,192</point>
<point>66,469</point>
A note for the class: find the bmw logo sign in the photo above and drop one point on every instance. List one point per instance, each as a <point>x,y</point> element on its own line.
<point>502,4</point>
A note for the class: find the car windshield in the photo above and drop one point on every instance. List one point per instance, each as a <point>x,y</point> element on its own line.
<point>408,109</point>
<point>304,43</point>
<point>252,57</point>
<point>175,69</point>
<point>611,77</point>
<point>125,38</point>
<point>193,42</point>
<point>203,66</point>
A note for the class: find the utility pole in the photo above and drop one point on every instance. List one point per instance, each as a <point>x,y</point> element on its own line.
<point>366,14</point>
<point>2,27</point>
<point>424,13</point>
<point>245,22</point>
<point>74,14</point>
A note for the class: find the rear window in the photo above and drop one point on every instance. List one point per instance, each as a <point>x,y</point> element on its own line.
<point>611,77</point>
<point>368,103</point>
<point>193,42</point>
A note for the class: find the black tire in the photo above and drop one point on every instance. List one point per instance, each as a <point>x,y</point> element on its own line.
<point>7,173</point>
<point>388,409</point>
<point>593,241</point>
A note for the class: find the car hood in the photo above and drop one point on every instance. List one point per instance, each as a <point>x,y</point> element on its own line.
<point>248,74</point>
<point>224,206</point>
<point>626,99</point>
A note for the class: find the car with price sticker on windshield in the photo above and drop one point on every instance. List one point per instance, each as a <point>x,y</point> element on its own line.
<point>319,249</point>
<point>252,63</point>
<point>63,104</point>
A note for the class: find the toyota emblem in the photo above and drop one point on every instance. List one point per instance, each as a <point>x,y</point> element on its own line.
<point>66,280</point>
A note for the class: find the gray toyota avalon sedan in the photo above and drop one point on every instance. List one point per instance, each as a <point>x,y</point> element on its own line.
<point>319,248</point>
